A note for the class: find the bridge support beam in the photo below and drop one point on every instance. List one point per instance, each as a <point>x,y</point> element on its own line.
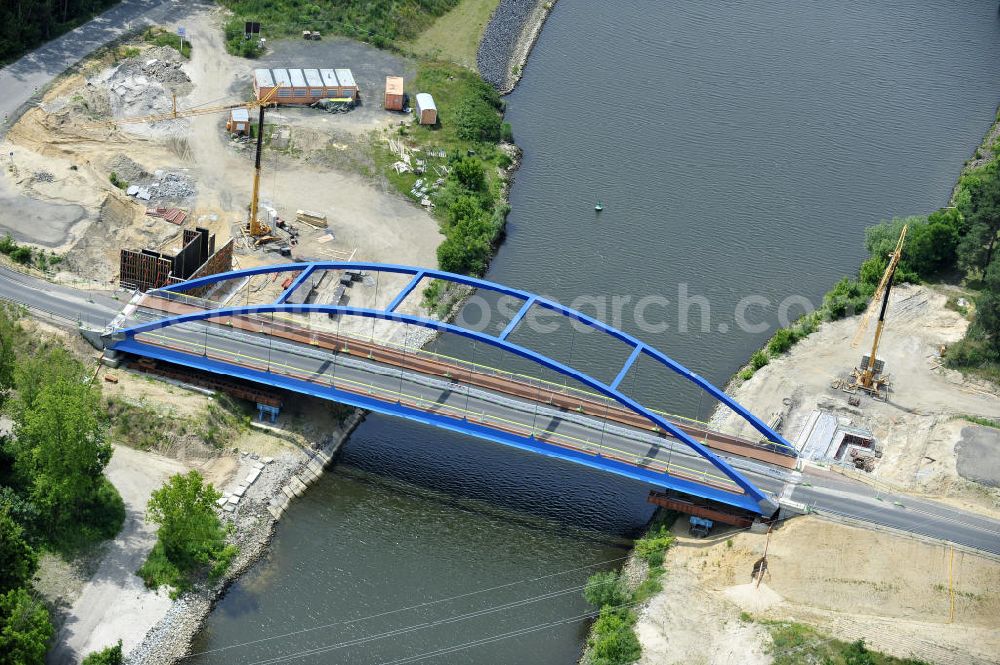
<point>296,283</point>
<point>627,366</point>
<point>407,290</point>
<point>517,318</point>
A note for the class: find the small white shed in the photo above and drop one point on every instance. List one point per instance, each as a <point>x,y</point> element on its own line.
<point>427,113</point>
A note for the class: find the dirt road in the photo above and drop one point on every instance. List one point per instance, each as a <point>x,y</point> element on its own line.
<point>115,603</point>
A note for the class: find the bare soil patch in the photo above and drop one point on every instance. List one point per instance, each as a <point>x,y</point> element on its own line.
<point>904,597</point>
<point>919,427</point>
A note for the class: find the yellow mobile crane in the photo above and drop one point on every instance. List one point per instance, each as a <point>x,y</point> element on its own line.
<point>257,229</point>
<point>868,375</point>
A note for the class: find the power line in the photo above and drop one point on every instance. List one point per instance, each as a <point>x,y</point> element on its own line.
<point>415,627</point>
<point>406,609</point>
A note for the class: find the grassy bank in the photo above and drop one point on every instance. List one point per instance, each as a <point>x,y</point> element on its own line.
<point>455,36</point>
<point>796,643</point>
<point>383,24</point>
<point>462,170</point>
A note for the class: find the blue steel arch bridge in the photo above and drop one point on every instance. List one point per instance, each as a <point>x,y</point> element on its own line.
<point>273,344</point>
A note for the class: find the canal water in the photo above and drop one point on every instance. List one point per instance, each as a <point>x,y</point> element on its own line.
<point>740,149</point>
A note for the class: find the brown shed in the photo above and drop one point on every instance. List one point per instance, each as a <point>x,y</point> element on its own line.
<point>304,86</point>
<point>239,121</point>
<point>427,113</point>
<point>393,93</point>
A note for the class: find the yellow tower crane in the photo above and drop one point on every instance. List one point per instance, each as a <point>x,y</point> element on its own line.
<point>257,229</point>
<point>868,376</point>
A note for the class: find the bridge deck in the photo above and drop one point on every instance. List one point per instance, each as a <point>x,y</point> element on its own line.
<point>556,395</point>
<point>547,416</point>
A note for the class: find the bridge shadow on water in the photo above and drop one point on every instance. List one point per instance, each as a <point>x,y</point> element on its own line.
<point>483,476</point>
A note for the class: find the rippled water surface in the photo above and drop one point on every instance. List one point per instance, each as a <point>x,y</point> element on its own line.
<point>739,148</point>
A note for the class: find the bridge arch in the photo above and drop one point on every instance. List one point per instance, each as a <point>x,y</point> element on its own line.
<point>751,499</point>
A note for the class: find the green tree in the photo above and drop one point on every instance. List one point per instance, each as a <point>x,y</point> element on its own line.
<point>61,447</point>
<point>988,307</point>
<point>17,558</point>
<point>45,367</point>
<point>10,333</point>
<point>470,173</point>
<point>184,509</point>
<point>25,629</point>
<point>111,655</point>
<point>982,213</point>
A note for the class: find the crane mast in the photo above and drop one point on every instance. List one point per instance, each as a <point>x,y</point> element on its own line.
<point>868,376</point>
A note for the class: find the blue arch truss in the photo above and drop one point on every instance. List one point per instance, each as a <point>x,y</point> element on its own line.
<point>749,497</point>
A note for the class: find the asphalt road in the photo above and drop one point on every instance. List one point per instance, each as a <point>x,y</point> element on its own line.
<point>54,301</point>
<point>23,79</point>
<point>823,491</point>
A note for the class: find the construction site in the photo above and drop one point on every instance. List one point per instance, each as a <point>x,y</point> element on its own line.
<point>152,168</point>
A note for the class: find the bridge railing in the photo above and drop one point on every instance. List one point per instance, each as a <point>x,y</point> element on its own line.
<point>598,446</point>
<point>531,381</point>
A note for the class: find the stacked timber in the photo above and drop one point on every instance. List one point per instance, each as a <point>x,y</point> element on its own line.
<point>311,218</point>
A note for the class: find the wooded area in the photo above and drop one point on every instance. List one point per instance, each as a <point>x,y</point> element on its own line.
<point>25,24</point>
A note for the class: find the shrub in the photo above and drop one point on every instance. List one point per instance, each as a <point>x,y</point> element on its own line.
<point>109,656</point>
<point>758,359</point>
<point>612,641</point>
<point>605,589</point>
<point>118,182</point>
<point>477,121</point>
<point>469,172</point>
<point>847,298</point>
<point>746,374</point>
<point>22,254</point>
<point>654,545</point>
<point>506,133</point>
<point>782,341</point>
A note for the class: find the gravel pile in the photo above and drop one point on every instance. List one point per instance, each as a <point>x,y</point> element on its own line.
<point>142,85</point>
<point>43,176</point>
<point>500,38</point>
<point>128,170</point>
<point>160,187</point>
<point>172,187</point>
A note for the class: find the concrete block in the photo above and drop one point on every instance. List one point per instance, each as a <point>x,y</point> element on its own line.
<point>240,490</point>
<point>267,460</point>
<point>288,491</point>
<point>229,507</point>
<point>222,501</point>
<point>258,465</point>
<point>252,476</point>
<point>297,484</point>
<point>234,499</point>
<point>275,512</point>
